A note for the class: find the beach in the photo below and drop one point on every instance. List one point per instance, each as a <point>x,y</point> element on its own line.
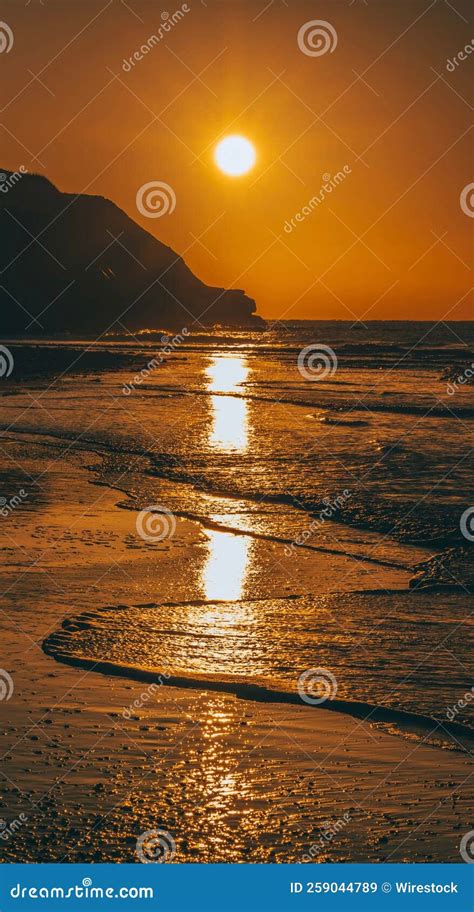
<point>193,537</point>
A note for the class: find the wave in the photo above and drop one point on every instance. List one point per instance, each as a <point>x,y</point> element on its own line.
<point>233,477</point>
<point>400,721</point>
<point>368,642</point>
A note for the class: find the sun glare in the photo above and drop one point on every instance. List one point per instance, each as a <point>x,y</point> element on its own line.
<point>235,155</point>
<point>229,429</point>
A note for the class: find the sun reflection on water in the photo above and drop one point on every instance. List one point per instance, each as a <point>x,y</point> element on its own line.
<point>225,568</point>
<point>229,430</point>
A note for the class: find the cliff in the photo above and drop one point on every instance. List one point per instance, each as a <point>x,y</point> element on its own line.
<point>79,264</point>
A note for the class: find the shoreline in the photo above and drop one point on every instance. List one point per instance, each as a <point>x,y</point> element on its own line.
<point>402,721</point>
<point>232,780</point>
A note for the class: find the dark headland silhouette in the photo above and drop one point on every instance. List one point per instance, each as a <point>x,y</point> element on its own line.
<point>79,264</point>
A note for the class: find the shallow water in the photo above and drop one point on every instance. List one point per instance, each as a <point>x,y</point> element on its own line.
<point>357,476</point>
<point>396,651</point>
<point>241,419</point>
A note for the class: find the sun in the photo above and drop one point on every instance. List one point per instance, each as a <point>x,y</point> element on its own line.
<point>235,155</point>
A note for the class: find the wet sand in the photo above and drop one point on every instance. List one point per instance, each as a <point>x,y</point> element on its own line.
<point>93,761</point>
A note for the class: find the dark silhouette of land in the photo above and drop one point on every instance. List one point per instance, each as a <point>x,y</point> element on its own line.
<point>78,264</point>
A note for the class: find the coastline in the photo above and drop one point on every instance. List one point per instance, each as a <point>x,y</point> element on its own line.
<point>232,780</point>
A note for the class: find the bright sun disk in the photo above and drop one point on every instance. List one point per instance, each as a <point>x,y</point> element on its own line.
<point>235,155</point>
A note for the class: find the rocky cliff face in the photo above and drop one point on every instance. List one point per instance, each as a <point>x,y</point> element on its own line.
<point>79,264</point>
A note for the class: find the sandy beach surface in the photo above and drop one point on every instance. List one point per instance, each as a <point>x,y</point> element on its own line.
<point>91,761</point>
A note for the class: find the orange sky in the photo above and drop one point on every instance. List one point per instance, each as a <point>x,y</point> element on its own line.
<point>390,242</point>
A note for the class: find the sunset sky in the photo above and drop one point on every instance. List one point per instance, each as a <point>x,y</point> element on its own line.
<point>391,242</point>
